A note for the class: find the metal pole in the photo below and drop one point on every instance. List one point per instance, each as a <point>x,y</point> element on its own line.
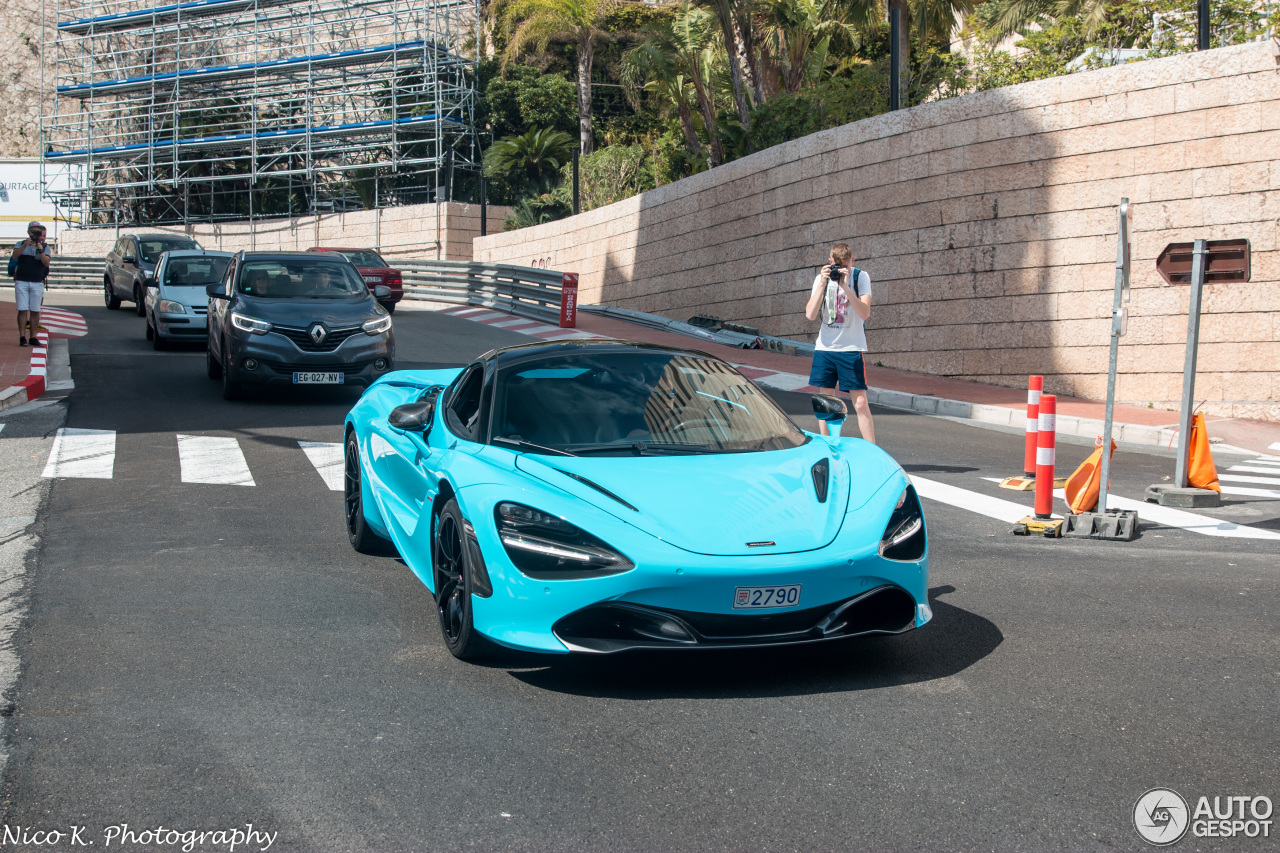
<point>895,30</point>
<point>1117,329</point>
<point>1202,30</point>
<point>484,207</point>
<point>576,208</point>
<point>1189,366</point>
<point>448,174</point>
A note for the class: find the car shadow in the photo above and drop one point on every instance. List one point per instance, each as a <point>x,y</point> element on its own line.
<point>953,641</point>
<point>938,469</point>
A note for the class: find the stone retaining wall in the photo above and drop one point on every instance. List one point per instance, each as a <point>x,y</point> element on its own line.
<point>987,224</point>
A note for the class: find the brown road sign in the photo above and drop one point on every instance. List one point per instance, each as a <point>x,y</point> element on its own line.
<point>1227,260</point>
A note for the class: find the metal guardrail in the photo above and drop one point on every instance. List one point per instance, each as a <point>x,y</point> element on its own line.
<point>71,272</point>
<point>524,291</point>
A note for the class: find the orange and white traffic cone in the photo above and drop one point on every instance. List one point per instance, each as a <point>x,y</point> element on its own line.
<point>1201,472</point>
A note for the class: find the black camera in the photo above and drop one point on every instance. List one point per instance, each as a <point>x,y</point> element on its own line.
<point>834,273</point>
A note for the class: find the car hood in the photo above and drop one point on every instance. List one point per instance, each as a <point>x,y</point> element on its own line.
<point>295,311</point>
<point>189,295</point>
<point>716,504</point>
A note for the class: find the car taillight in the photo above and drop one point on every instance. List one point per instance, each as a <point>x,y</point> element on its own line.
<point>395,279</point>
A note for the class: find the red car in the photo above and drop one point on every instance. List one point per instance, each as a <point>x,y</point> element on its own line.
<point>374,270</point>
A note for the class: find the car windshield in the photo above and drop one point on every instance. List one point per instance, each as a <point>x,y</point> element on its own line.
<point>629,403</point>
<point>364,259</point>
<point>151,250</point>
<point>300,278</point>
<point>194,272</point>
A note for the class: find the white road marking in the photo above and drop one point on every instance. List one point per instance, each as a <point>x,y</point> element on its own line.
<point>213,459</point>
<point>783,381</point>
<point>1252,493</point>
<point>87,453</point>
<point>328,461</point>
<point>1275,445</point>
<point>519,321</point>
<point>1240,478</point>
<point>1255,469</point>
<point>996,508</point>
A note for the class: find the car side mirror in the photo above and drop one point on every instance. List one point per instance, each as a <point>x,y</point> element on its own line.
<point>830,409</point>
<point>216,291</point>
<point>381,292</point>
<point>127,259</point>
<point>413,417</point>
<point>149,282</point>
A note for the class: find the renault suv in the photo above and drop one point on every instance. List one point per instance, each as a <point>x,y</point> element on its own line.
<point>296,318</point>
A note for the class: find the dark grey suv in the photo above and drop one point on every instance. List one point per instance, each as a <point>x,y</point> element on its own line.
<point>131,261</point>
<point>296,318</point>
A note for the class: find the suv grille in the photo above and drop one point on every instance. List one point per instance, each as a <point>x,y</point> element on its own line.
<point>302,337</point>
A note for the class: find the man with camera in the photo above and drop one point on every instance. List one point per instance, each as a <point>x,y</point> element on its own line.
<point>841,297</point>
<point>33,258</point>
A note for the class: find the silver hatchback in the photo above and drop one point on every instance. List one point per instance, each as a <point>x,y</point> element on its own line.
<point>177,306</point>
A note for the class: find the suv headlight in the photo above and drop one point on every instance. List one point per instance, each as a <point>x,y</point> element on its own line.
<point>545,546</point>
<point>904,537</point>
<point>249,324</point>
<point>377,325</point>
<point>168,306</point>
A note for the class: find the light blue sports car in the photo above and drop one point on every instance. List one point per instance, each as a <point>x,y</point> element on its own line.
<point>602,496</point>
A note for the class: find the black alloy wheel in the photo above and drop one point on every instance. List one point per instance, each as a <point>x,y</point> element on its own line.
<point>453,587</point>
<point>139,299</point>
<point>109,295</point>
<point>390,307</point>
<point>361,536</point>
<point>230,388</point>
<point>157,343</point>
<point>151,333</point>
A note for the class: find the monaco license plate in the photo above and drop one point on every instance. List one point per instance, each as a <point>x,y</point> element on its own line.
<point>749,597</point>
<point>373,279</point>
<point>318,378</point>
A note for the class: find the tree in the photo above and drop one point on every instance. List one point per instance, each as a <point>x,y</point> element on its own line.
<point>535,23</point>
<point>539,154</point>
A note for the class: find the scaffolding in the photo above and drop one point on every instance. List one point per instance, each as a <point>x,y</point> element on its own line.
<point>207,110</point>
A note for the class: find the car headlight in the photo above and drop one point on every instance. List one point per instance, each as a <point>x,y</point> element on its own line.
<point>903,537</point>
<point>249,324</point>
<point>168,306</point>
<point>545,546</point>
<point>377,325</point>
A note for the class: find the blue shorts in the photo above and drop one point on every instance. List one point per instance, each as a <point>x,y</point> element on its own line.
<point>841,370</point>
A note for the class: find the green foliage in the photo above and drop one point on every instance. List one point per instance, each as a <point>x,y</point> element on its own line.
<point>537,155</point>
<point>537,210</point>
<point>671,159</point>
<point>610,174</point>
<point>528,98</point>
<point>861,93</point>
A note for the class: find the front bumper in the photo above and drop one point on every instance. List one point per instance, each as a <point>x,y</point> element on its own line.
<point>190,326</point>
<point>277,359</point>
<point>676,599</point>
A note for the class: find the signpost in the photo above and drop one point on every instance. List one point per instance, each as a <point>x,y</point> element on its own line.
<point>569,300</point>
<point>1198,263</point>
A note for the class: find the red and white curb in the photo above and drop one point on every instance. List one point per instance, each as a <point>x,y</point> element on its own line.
<point>56,323</point>
<point>524,326</point>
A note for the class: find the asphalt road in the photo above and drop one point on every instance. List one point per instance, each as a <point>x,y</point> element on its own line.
<point>203,657</point>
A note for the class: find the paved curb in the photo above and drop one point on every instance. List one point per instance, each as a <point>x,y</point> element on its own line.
<point>33,386</point>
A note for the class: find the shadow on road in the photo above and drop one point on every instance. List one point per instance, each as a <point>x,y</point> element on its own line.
<point>955,640</point>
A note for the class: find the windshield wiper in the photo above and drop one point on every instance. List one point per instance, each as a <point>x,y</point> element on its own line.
<point>529,445</point>
<point>646,448</point>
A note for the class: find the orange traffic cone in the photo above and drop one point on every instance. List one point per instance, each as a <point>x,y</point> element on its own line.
<point>1201,473</point>
<point>1083,485</point>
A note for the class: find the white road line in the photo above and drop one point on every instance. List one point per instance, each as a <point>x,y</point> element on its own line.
<point>1252,493</point>
<point>213,459</point>
<point>1240,478</point>
<point>1255,469</point>
<point>1264,460</point>
<point>996,508</point>
<point>1275,445</point>
<point>519,321</point>
<point>783,381</point>
<point>328,461</point>
<point>87,453</point>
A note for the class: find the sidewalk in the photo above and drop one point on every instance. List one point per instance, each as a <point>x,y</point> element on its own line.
<point>934,395</point>
<point>24,370</point>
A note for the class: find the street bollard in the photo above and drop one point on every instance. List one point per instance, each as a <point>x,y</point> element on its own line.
<point>1034,387</point>
<point>1045,447</point>
<point>569,300</point>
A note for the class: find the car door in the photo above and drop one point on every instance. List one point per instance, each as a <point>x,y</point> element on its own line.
<point>218,311</point>
<point>153,294</point>
<point>113,264</point>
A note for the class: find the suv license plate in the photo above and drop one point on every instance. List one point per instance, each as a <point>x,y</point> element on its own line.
<point>750,597</point>
<point>373,279</point>
<point>318,378</point>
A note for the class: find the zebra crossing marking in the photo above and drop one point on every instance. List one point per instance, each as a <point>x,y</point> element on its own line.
<point>213,459</point>
<point>83,453</point>
<point>328,461</point>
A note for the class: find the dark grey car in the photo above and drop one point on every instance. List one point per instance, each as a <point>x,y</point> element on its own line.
<point>296,318</point>
<point>131,261</point>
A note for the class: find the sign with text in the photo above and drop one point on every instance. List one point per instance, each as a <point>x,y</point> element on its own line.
<point>569,301</point>
<point>1225,260</point>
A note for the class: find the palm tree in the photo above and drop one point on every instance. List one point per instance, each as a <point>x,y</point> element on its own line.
<point>802,34</point>
<point>539,153</point>
<point>1012,15</point>
<point>535,23</point>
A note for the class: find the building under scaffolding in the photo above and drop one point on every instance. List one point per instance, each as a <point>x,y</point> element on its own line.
<point>203,110</point>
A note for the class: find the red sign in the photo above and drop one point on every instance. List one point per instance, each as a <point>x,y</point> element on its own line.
<point>569,301</point>
<point>1226,260</point>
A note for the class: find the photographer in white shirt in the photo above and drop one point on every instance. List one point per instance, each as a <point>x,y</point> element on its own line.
<point>843,303</point>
